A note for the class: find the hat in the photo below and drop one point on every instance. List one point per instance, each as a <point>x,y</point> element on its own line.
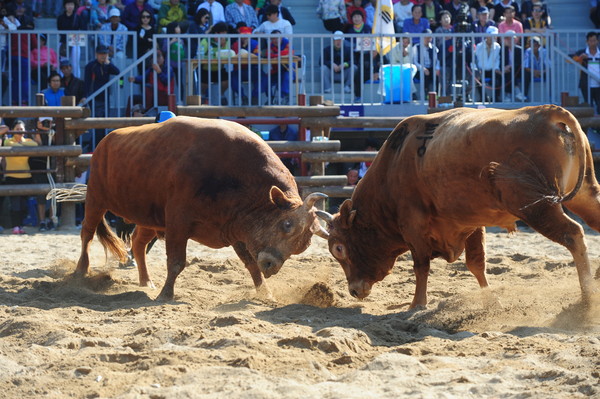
<point>491,30</point>
<point>483,10</point>
<point>536,39</point>
<point>102,49</point>
<point>65,63</point>
<point>114,12</point>
<point>245,30</point>
<point>338,34</point>
<point>164,115</point>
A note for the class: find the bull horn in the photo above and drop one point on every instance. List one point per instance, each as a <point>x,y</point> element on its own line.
<point>310,200</point>
<point>326,216</point>
<point>322,233</point>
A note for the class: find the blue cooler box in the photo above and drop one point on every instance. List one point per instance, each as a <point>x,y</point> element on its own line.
<point>397,81</point>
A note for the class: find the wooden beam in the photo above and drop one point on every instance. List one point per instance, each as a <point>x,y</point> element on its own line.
<point>208,111</point>
<point>34,112</point>
<point>339,156</point>
<point>55,150</point>
<point>381,122</point>
<point>327,145</point>
<point>106,123</point>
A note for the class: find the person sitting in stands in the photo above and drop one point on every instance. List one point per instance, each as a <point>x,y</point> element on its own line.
<point>337,62</point>
<point>43,61</point>
<point>54,92</point>
<point>72,84</point>
<point>274,23</point>
<point>165,83</point>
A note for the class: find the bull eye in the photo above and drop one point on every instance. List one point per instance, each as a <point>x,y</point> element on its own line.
<point>339,251</point>
<point>287,226</point>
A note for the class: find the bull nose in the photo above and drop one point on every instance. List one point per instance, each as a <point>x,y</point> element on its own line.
<point>268,264</point>
<point>359,289</point>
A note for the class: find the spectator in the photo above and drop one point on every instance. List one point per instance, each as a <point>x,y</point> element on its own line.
<point>352,176</point>
<point>239,12</point>
<point>511,68</point>
<point>53,8</point>
<point>499,9</point>
<point>171,11</point>
<point>370,11</point>
<point>40,164</point>
<point>536,63</point>
<point>483,22</point>
<point>370,145</point>
<point>97,74</point>
<point>431,11</point>
<point>402,52</point>
<point>85,13</point>
<point>164,81</point>
<point>72,84</point>
<point>215,9</point>
<point>280,75</point>
<point>43,60</point>
<point>536,23</point>
<point>54,92</point>
<point>215,48</point>
<point>487,60</point>
<point>286,133</point>
<point>21,44</point>
<point>357,5</point>
<point>476,5</point>
<point>416,24</point>
<point>402,11</point>
<point>248,48</point>
<point>284,12</point>
<point>456,8</point>
<point>7,23</point>
<point>445,45</point>
<point>132,13</point>
<point>358,24</point>
<point>201,22</point>
<point>144,34</point>
<point>426,58</point>
<point>333,14</point>
<point>337,62</point>
<point>20,10</point>
<point>102,10</point>
<point>116,43</point>
<point>589,58</point>
<point>274,23</point>
<point>18,203</point>
<point>69,20</point>
<point>527,11</point>
<point>510,23</point>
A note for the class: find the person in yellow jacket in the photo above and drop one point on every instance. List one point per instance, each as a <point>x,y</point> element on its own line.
<point>171,11</point>
<point>17,172</point>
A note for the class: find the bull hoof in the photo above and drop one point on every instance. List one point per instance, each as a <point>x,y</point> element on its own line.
<point>263,292</point>
<point>165,296</point>
<point>148,284</point>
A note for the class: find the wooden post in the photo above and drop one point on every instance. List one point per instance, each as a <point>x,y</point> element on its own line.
<point>194,100</point>
<point>173,103</point>
<point>67,101</point>
<point>40,99</point>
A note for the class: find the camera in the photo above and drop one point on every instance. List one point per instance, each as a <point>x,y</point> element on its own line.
<point>462,24</point>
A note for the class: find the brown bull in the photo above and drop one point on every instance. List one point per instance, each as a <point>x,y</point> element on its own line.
<point>212,181</point>
<point>439,179</point>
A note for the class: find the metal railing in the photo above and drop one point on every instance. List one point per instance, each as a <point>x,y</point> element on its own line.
<point>219,76</point>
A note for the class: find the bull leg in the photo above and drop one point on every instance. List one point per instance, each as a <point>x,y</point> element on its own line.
<point>475,255</point>
<point>250,263</point>
<point>139,241</point>
<point>92,219</point>
<point>421,268</point>
<point>176,243</point>
<point>552,222</point>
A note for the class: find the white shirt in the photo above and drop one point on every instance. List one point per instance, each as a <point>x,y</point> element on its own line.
<point>487,61</point>
<point>593,66</point>
<point>282,25</point>
<point>216,10</point>
<point>402,12</point>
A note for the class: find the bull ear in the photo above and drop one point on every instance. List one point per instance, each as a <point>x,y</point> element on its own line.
<point>278,198</point>
<point>347,215</point>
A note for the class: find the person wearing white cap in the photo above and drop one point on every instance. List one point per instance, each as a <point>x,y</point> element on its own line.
<point>487,59</point>
<point>337,63</point>
<point>116,43</point>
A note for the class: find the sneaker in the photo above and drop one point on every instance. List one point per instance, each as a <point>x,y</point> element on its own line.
<point>22,231</point>
<point>347,89</point>
<point>43,226</point>
<point>16,230</point>
<point>327,91</point>
<point>50,225</point>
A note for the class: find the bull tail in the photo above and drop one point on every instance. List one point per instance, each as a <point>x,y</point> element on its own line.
<point>111,242</point>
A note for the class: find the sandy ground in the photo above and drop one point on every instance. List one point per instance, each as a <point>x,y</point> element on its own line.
<point>105,337</point>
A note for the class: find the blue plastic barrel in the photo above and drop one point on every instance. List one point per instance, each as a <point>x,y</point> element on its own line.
<point>397,83</point>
